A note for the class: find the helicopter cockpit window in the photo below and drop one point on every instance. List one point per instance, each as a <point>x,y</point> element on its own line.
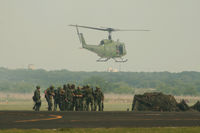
<point>102,42</point>
<point>120,49</point>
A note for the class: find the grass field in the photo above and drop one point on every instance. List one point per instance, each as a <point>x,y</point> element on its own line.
<point>108,130</point>
<point>113,102</point>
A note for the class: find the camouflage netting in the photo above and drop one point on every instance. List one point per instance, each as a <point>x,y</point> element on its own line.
<point>160,102</point>
<point>196,106</point>
<point>154,102</point>
<point>183,106</point>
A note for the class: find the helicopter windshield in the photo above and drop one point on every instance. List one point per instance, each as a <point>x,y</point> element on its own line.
<point>120,49</point>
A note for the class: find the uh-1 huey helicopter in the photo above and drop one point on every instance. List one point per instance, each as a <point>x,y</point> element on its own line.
<point>108,48</point>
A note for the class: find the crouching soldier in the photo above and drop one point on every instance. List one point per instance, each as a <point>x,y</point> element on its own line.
<point>36,99</point>
<point>98,99</point>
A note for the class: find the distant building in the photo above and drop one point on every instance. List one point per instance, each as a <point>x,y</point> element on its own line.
<point>31,67</point>
<point>110,69</point>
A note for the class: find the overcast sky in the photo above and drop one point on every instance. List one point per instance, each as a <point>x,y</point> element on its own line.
<point>37,32</point>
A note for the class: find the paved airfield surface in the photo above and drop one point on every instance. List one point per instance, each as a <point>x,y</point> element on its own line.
<point>51,120</point>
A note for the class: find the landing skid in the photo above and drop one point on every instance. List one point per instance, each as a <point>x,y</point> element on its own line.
<point>121,60</point>
<point>102,60</point>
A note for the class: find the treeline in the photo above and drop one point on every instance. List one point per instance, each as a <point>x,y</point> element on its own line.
<point>23,80</point>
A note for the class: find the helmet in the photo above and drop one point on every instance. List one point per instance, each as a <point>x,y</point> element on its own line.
<point>51,87</point>
<point>64,86</point>
<point>97,87</point>
<point>88,86</point>
<point>38,87</point>
<point>73,86</point>
<point>79,87</point>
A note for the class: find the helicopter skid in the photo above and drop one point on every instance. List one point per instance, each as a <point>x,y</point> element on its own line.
<point>103,60</point>
<point>121,60</point>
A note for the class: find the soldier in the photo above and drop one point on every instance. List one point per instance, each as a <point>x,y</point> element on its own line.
<point>83,106</point>
<point>72,97</point>
<point>67,101</point>
<point>56,98</point>
<point>98,99</point>
<point>36,99</point>
<point>78,99</point>
<point>89,98</point>
<point>62,99</point>
<point>49,93</point>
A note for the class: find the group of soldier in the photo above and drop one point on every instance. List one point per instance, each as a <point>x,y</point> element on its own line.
<point>70,98</point>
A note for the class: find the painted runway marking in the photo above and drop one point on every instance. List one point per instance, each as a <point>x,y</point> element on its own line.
<point>54,117</point>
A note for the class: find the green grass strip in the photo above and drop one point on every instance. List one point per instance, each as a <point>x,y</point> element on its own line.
<point>108,130</point>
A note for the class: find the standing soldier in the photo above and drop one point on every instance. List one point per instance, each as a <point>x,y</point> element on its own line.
<point>72,97</point>
<point>46,96</point>
<point>49,97</point>
<point>83,106</point>
<point>36,99</point>
<point>66,102</point>
<point>78,99</point>
<point>89,98</point>
<point>62,98</point>
<point>98,99</point>
<point>56,98</point>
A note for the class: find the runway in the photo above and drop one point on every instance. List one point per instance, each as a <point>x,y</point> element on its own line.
<point>53,120</point>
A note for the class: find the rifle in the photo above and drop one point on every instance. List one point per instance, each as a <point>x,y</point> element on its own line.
<point>102,106</point>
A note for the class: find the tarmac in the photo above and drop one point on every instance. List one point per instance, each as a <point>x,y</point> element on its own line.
<point>109,119</point>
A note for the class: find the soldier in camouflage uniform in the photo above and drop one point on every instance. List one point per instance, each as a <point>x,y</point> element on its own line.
<point>73,89</point>
<point>98,99</point>
<point>49,96</point>
<point>69,97</point>
<point>56,98</point>
<point>83,105</point>
<point>62,99</point>
<point>78,99</point>
<point>36,99</point>
<point>89,98</point>
<point>65,103</point>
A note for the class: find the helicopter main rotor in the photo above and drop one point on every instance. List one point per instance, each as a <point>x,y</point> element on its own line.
<point>109,30</point>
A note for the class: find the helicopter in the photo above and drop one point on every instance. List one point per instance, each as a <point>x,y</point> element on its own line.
<point>107,48</point>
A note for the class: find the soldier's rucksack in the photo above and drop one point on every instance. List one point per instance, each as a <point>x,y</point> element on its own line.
<point>34,98</point>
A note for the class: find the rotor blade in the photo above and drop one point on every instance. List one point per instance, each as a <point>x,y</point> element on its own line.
<point>130,30</point>
<point>89,27</point>
<point>113,29</point>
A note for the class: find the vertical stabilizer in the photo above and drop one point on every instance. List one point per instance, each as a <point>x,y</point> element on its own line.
<point>82,40</point>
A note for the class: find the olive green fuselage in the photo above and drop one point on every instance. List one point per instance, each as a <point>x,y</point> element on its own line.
<point>107,49</point>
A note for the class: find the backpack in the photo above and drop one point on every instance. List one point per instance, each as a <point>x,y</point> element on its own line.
<point>34,98</point>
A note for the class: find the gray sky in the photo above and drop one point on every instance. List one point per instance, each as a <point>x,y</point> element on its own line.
<point>37,32</point>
